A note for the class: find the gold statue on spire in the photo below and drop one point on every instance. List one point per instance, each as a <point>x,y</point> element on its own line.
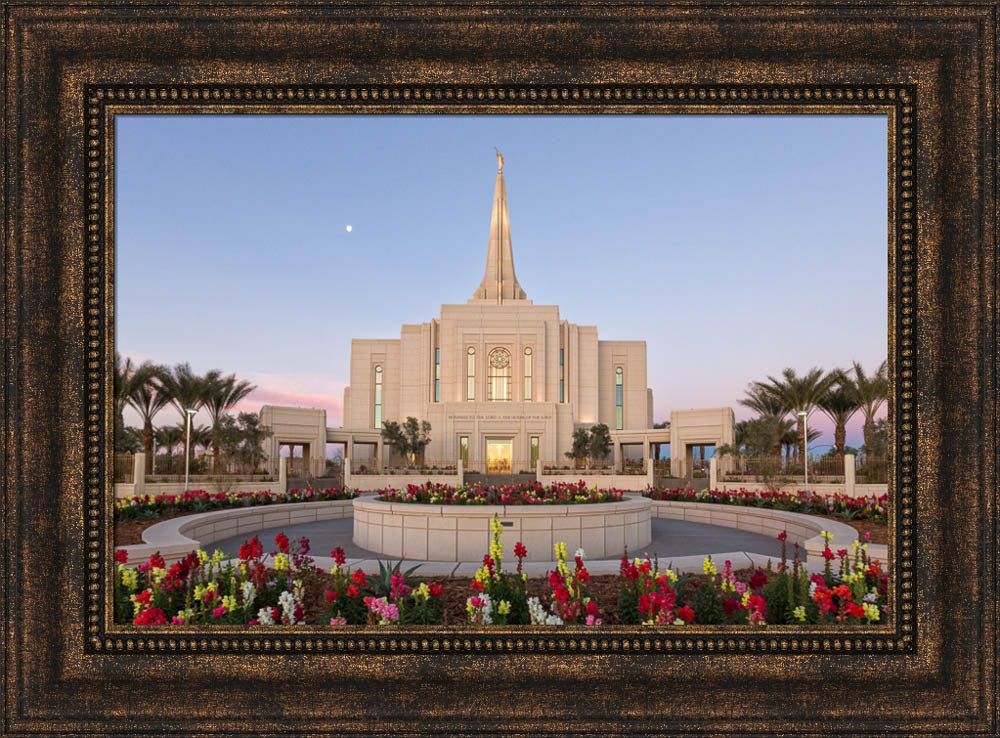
<point>499,160</point>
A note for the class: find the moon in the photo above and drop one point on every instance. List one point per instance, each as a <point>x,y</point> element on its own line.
<point>350,228</point>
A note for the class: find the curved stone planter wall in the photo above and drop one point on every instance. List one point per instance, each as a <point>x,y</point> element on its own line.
<point>806,530</point>
<point>462,532</point>
<point>176,538</point>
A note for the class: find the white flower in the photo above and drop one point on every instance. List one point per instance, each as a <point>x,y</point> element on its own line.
<point>264,616</point>
<point>812,589</point>
<point>870,597</point>
<point>287,602</point>
<point>249,592</point>
<point>538,614</point>
<point>579,553</point>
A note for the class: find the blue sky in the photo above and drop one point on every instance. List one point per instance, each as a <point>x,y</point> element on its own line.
<point>733,245</point>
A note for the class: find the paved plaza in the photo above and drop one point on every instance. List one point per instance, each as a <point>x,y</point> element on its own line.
<point>672,539</point>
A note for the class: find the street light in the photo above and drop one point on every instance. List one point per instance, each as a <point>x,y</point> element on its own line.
<point>187,446</point>
<point>805,441</point>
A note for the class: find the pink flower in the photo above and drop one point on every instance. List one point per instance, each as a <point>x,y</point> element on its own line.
<point>338,621</point>
<point>218,612</point>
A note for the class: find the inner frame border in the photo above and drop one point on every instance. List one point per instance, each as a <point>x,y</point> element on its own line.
<point>103,102</point>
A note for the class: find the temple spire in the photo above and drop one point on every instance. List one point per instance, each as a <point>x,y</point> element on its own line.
<point>499,282</point>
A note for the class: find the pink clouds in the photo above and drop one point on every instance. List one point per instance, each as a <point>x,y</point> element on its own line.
<point>265,395</point>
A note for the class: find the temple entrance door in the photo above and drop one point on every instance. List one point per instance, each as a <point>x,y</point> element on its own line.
<point>499,456</point>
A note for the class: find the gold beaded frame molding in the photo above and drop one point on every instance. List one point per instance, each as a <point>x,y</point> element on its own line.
<point>70,69</point>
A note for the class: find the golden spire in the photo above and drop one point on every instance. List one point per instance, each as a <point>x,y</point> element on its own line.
<point>499,160</point>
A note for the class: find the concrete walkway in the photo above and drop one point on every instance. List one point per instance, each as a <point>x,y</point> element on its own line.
<point>682,545</point>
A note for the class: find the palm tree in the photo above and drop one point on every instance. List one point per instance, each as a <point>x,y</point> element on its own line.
<point>148,399</point>
<point>168,437</point>
<point>869,392</point>
<point>222,394</point>
<point>185,388</point>
<point>762,399</point>
<point>128,379</point>
<point>801,394</point>
<point>839,405</point>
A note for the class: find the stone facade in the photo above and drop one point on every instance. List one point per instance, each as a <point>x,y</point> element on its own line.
<point>498,368</point>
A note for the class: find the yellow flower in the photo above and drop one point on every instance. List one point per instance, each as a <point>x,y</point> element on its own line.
<point>229,602</point>
<point>130,577</point>
<point>217,557</point>
<point>800,613</point>
<point>746,598</point>
<point>504,607</point>
<point>560,551</point>
<point>670,575</point>
<point>202,556</point>
<point>827,537</point>
<point>423,591</point>
<point>709,567</point>
<point>871,611</point>
<point>280,562</point>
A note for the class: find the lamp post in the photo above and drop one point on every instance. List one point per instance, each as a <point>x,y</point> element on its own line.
<point>805,444</point>
<point>187,446</point>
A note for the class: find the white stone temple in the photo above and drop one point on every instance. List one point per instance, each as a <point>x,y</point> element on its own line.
<point>502,381</point>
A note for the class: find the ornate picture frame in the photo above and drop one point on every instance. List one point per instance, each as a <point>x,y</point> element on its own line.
<point>69,69</point>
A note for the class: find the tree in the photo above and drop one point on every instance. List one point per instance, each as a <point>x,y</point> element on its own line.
<point>800,393</point>
<point>168,437</point>
<point>879,445</point>
<point>839,405</point>
<point>221,395</point>
<point>581,446</point>
<point>394,438</point>
<point>417,437</point>
<point>599,443</point>
<point>129,378</point>
<point>409,439</point>
<point>130,441</point>
<point>869,392</point>
<point>185,388</point>
<point>763,399</point>
<point>148,399</point>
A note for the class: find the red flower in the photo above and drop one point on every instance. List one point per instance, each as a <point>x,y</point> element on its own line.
<point>353,591</point>
<point>842,591</point>
<point>152,616</point>
<point>782,536</point>
<point>759,579</point>
<point>855,611</point>
<point>686,614</point>
<point>338,556</point>
<point>842,553</point>
<point>281,541</point>
<point>435,589</point>
<point>252,549</point>
<point>827,554</point>
<point>729,606</point>
<point>121,556</point>
<point>520,551</point>
<point>591,609</point>
<point>476,585</point>
<point>358,577</point>
<point>330,597</point>
<point>218,612</point>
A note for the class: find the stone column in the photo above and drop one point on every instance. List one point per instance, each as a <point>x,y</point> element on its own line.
<point>618,456</point>
<point>378,454</point>
<point>849,475</point>
<point>713,473</point>
<point>347,472</point>
<point>139,474</point>
<point>649,471</point>
<point>461,472</point>
<point>538,470</point>
<point>282,474</point>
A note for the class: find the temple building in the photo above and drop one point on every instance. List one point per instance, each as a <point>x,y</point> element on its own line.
<point>502,381</point>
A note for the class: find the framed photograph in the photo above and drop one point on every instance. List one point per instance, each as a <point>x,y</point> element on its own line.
<point>449,369</point>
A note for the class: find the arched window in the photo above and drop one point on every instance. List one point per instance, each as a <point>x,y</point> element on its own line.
<point>499,375</point>
<point>527,374</point>
<point>619,399</point>
<point>471,391</point>
<point>378,396</point>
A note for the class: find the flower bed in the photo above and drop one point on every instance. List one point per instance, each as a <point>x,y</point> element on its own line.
<point>206,590</point>
<point>148,507</point>
<point>837,505</point>
<point>522,494</point>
